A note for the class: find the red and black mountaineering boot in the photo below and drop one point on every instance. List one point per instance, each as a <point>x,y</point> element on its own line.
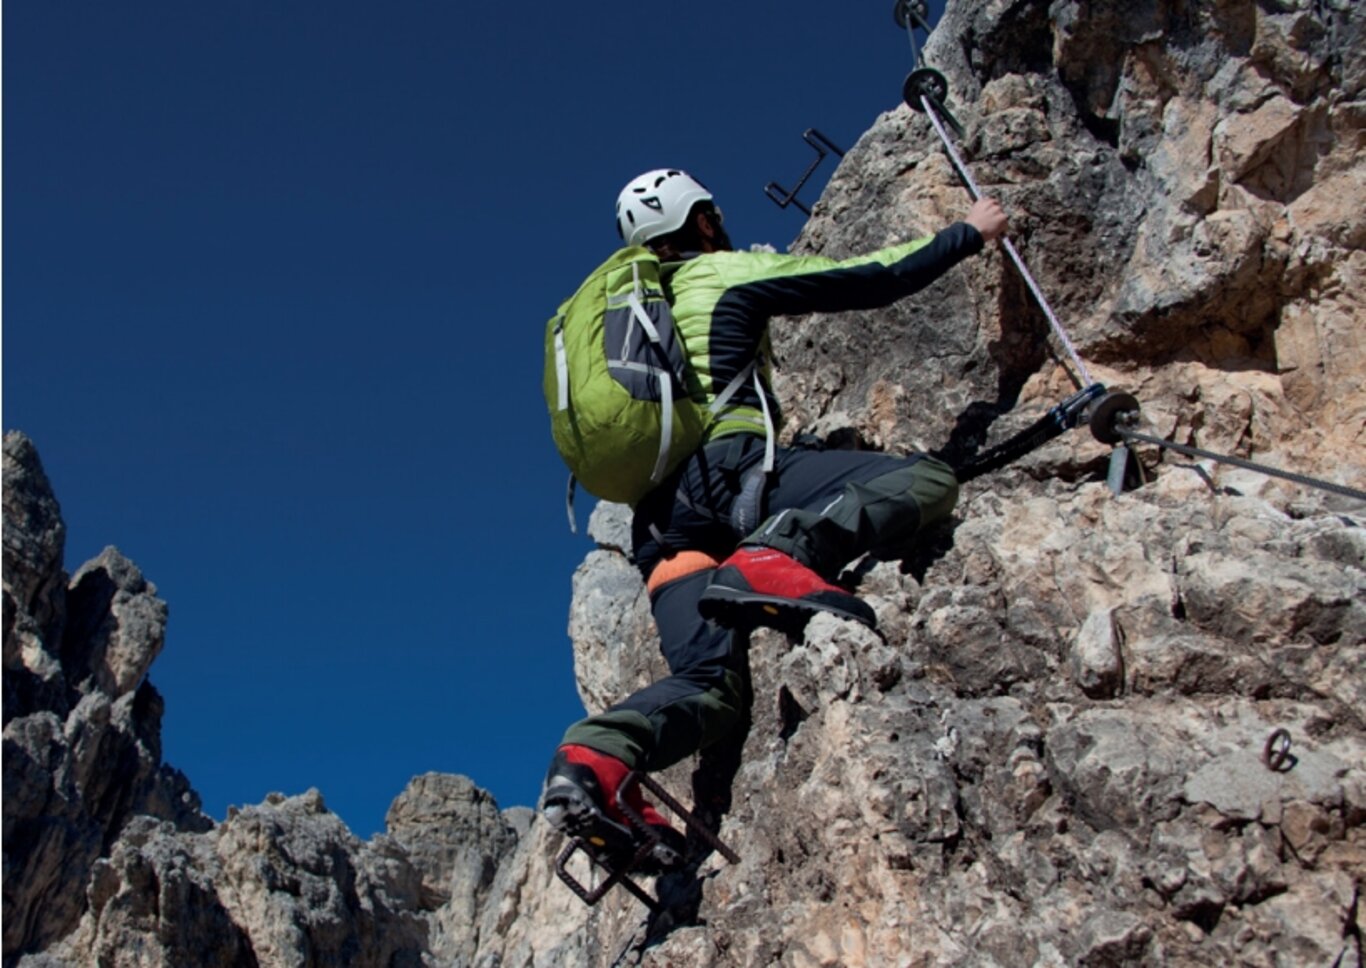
<point>762,586</point>
<point>580,799</point>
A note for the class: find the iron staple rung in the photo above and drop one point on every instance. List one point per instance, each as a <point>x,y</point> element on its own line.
<point>823,146</point>
<point>781,197</point>
<point>614,876</point>
<point>651,839</point>
<point>690,821</point>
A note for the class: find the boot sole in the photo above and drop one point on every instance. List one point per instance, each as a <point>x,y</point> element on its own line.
<point>733,608</point>
<point>579,817</point>
<point>573,812</point>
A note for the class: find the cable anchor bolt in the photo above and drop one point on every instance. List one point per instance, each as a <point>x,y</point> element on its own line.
<point>927,84</point>
<point>1108,413</point>
<point>1276,754</point>
<point>910,14</point>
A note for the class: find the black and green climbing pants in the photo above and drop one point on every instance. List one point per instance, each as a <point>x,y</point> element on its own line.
<point>823,507</point>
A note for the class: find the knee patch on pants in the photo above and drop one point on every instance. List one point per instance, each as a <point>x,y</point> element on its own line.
<point>935,489</point>
<point>880,515</point>
<point>677,566</point>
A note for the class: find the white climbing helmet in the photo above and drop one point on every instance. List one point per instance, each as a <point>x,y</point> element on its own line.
<point>656,203</point>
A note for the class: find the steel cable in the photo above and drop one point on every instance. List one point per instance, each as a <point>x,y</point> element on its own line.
<point>932,112</point>
<point>976,194</point>
<point>1340,489</point>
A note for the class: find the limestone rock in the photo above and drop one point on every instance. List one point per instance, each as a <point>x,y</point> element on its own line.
<point>108,859</point>
<point>609,618</point>
<point>82,748</point>
<point>1096,663</point>
<point>116,626</point>
<point>309,891</point>
<point>34,584</point>
<point>1055,754</point>
<point>456,838</point>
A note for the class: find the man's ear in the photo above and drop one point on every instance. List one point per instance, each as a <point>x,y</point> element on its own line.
<point>705,226</point>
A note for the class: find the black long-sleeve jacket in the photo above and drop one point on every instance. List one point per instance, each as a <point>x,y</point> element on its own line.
<point>723,301</point>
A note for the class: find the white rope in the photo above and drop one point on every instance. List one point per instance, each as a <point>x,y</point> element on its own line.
<point>976,194</point>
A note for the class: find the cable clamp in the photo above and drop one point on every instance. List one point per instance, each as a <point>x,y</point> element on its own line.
<point>1072,411</point>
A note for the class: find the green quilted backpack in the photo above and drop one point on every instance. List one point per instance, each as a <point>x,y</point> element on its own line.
<point>617,381</point>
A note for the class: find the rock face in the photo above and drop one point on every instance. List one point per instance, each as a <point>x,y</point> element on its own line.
<point>1054,753</point>
<point>1062,747</point>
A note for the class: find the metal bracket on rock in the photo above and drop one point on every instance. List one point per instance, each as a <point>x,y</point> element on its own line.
<point>924,81</point>
<point>927,84</point>
<point>619,873</point>
<point>910,14</point>
<point>1115,416</point>
<point>823,146</point>
<point>1108,413</point>
<point>1276,754</point>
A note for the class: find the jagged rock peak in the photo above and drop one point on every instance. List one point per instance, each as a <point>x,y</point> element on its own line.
<point>108,857</point>
<point>34,585</point>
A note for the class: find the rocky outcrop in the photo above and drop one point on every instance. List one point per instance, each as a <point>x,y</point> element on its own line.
<point>456,838</point>
<point>1066,745</point>
<point>1186,186</point>
<point>108,858</point>
<point>82,726</point>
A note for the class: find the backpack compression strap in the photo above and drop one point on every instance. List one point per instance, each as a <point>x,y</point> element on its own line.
<point>664,375</point>
<point>770,432</point>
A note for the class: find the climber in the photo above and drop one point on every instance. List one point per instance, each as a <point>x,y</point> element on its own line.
<point>797,515</point>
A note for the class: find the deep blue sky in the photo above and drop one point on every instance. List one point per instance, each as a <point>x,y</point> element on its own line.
<point>275,283</point>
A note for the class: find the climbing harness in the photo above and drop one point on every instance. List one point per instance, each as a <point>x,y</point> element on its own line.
<point>619,868</point>
<point>823,146</point>
<point>1111,416</point>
